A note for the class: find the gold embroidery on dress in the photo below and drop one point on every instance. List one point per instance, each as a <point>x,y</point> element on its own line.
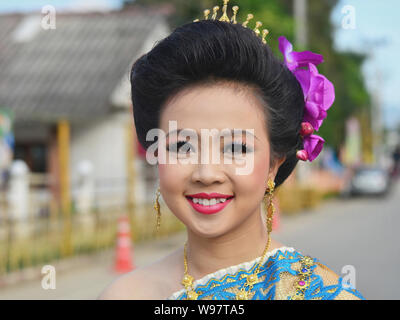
<point>282,291</point>
<point>285,284</point>
<point>304,279</point>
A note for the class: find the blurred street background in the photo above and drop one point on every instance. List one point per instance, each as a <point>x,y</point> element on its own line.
<point>77,193</point>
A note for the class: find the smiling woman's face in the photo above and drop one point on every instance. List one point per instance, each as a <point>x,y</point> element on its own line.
<point>215,107</point>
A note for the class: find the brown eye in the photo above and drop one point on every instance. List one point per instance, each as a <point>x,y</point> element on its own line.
<point>180,147</point>
<point>237,148</point>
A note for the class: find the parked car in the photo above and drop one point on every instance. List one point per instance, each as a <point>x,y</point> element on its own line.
<point>370,181</point>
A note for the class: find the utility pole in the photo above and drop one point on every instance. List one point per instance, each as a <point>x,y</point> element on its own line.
<point>377,126</point>
<point>300,16</point>
<point>376,116</point>
<point>303,171</point>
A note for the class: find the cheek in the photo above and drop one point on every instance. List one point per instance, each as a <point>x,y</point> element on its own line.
<point>172,178</point>
<point>163,172</point>
<point>255,181</point>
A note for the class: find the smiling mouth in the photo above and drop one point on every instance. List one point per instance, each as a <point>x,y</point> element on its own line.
<point>213,198</point>
<point>209,206</point>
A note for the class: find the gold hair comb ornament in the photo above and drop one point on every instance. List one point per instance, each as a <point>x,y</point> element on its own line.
<point>225,18</point>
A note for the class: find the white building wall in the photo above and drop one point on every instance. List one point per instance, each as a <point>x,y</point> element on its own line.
<point>103,143</point>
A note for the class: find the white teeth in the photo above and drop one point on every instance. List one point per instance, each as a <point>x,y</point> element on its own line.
<point>208,202</point>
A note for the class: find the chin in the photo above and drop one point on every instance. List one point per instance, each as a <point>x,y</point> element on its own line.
<point>208,227</point>
<point>209,233</point>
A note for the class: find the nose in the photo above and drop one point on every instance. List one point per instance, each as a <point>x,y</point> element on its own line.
<point>208,174</point>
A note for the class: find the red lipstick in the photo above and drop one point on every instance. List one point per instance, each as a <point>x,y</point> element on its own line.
<point>210,209</point>
<point>203,195</point>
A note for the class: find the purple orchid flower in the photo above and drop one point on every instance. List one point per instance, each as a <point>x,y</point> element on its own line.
<point>295,60</point>
<point>313,145</point>
<point>319,94</point>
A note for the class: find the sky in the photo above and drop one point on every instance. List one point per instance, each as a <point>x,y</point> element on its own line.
<point>33,5</point>
<point>374,31</point>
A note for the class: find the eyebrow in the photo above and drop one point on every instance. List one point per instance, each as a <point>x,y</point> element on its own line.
<point>232,131</point>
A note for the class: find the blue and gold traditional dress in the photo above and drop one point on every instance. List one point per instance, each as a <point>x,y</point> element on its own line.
<point>286,274</point>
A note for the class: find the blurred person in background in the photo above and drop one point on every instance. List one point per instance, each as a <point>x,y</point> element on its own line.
<point>4,179</point>
<point>396,162</point>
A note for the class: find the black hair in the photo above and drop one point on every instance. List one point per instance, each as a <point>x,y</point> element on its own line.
<point>211,50</point>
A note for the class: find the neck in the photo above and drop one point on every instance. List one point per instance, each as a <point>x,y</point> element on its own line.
<point>207,255</point>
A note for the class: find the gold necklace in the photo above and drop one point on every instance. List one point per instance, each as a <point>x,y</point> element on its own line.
<point>252,279</point>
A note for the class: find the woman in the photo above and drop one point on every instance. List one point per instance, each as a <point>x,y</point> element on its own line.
<point>219,77</point>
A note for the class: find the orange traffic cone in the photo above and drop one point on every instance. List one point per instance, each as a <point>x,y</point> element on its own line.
<point>123,259</point>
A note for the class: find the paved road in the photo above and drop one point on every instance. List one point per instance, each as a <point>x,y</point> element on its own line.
<point>358,232</point>
<point>90,279</point>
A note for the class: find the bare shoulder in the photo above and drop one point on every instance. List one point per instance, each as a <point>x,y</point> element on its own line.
<point>126,287</point>
<point>156,281</point>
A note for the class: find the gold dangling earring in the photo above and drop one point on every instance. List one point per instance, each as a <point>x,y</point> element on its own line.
<point>269,206</point>
<point>157,207</point>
